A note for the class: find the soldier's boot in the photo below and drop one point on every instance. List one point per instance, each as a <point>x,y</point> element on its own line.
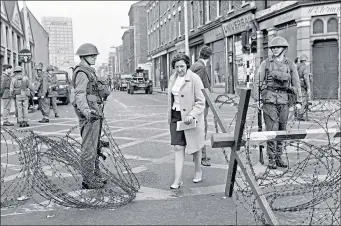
<point>7,123</point>
<point>21,124</point>
<point>280,162</point>
<point>56,115</point>
<point>25,124</point>
<point>272,163</point>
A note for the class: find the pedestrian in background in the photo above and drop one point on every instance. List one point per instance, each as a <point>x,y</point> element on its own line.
<point>304,75</point>
<point>275,78</point>
<point>199,67</point>
<point>52,93</point>
<point>5,93</point>
<point>20,89</point>
<point>186,103</point>
<point>162,81</point>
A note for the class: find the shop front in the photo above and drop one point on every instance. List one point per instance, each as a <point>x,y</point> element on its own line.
<point>217,65</point>
<point>240,63</point>
<point>195,43</point>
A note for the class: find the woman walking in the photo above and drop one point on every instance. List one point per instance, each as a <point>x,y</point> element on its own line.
<point>186,103</point>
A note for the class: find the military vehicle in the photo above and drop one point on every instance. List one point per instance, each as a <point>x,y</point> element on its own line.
<point>64,88</point>
<point>140,81</point>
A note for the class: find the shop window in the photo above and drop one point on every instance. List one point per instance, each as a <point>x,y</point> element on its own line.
<point>318,26</point>
<point>332,25</point>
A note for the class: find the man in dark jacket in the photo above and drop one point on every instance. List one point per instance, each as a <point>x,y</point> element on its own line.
<point>5,93</point>
<point>199,67</point>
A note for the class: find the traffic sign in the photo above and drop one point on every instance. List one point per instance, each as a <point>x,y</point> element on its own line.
<point>25,56</point>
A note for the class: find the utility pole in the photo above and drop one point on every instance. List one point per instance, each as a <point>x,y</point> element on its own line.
<point>186,29</point>
<point>27,43</point>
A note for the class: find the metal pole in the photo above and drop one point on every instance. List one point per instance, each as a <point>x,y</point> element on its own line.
<point>186,29</point>
<point>27,44</point>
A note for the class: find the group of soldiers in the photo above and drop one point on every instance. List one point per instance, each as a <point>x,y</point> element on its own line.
<point>19,88</point>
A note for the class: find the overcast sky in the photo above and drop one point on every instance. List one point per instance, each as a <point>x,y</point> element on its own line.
<point>98,22</point>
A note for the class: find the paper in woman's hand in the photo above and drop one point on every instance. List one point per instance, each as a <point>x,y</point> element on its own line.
<point>180,125</point>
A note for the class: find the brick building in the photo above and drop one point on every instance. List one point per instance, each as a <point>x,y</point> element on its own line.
<point>226,26</point>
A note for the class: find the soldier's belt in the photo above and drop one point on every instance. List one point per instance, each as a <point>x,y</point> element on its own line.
<point>277,90</point>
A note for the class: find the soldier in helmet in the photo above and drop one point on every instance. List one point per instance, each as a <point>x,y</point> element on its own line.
<point>88,106</point>
<point>20,90</point>
<point>304,75</point>
<point>37,81</point>
<point>276,76</point>
<point>43,95</point>
<point>52,93</point>
<point>5,93</point>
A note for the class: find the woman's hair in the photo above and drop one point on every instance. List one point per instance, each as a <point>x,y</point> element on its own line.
<point>181,56</point>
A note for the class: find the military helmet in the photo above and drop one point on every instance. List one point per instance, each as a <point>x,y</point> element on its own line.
<point>39,67</point>
<point>17,69</point>
<point>87,49</point>
<point>50,68</point>
<point>278,41</point>
<point>303,57</point>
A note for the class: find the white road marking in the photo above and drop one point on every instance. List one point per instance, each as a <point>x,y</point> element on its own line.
<point>120,103</point>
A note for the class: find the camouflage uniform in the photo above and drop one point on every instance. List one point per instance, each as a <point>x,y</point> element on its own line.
<point>5,96</point>
<point>274,79</point>
<point>20,89</point>
<point>52,82</point>
<point>304,74</point>
<point>44,101</point>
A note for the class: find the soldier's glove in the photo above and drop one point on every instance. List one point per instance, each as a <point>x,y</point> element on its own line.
<point>95,116</point>
<point>298,106</point>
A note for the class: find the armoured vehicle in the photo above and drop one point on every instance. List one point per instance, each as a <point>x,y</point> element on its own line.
<point>140,81</point>
<point>63,89</point>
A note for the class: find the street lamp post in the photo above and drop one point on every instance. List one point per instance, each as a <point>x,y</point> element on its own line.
<point>134,30</point>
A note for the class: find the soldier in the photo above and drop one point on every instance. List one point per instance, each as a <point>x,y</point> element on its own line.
<point>20,90</point>
<point>304,75</point>
<point>88,106</point>
<point>276,76</point>
<point>5,93</point>
<point>199,67</point>
<point>52,93</point>
<point>37,81</point>
<point>44,100</point>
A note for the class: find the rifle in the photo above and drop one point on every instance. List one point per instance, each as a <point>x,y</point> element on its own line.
<point>261,157</point>
<point>101,144</point>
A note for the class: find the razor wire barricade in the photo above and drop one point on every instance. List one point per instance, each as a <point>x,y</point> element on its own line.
<point>49,168</point>
<point>308,190</point>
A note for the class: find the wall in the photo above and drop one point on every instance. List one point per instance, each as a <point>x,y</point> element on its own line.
<point>41,40</point>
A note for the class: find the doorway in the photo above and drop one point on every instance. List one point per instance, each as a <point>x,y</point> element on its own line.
<point>325,69</point>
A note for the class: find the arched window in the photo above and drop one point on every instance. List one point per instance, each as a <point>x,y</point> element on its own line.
<point>318,27</point>
<point>332,25</point>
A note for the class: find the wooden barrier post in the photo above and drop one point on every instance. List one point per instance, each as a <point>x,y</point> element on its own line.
<point>234,158</point>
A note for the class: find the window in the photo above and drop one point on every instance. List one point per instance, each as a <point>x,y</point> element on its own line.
<point>192,14</point>
<point>332,25</point>
<point>231,6</point>
<point>208,18</point>
<point>179,23</point>
<point>318,26</point>
<point>169,28</point>
<point>174,27</point>
<point>218,8</point>
<point>202,12</point>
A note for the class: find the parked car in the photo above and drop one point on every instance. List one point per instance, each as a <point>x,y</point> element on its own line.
<point>123,83</point>
<point>64,88</point>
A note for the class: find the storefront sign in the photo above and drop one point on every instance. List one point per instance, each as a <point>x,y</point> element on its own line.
<point>273,8</point>
<point>283,18</point>
<point>237,25</point>
<point>25,56</point>
<point>214,35</point>
<point>322,10</point>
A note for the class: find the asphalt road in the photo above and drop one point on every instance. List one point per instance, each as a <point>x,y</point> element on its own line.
<point>139,125</point>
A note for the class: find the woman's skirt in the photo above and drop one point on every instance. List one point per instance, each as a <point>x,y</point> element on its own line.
<point>177,137</point>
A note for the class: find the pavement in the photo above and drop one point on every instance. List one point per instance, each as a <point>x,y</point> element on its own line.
<point>138,124</point>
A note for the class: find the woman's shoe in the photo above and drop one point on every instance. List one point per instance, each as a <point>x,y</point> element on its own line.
<point>174,186</point>
<point>197,178</point>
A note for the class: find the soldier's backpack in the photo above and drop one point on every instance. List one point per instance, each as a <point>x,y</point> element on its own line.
<point>292,96</point>
<point>20,86</point>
